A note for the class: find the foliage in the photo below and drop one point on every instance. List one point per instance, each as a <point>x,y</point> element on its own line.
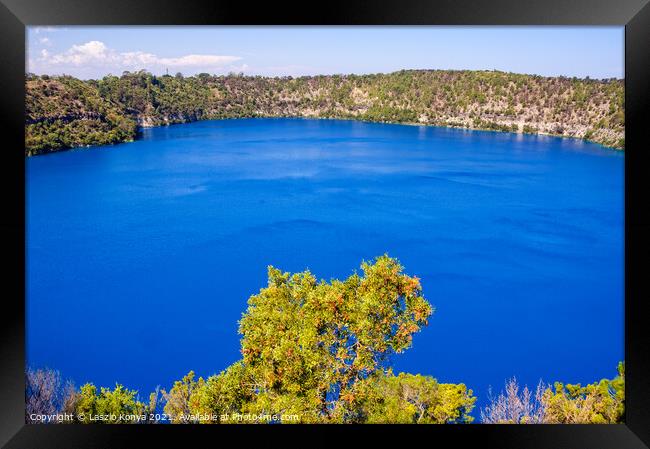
<point>598,403</point>
<point>64,112</point>
<point>45,393</point>
<point>177,400</point>
<point>316,340</point>
<point>117,406</point>
<point>319,350</point>
<point>409,399</point>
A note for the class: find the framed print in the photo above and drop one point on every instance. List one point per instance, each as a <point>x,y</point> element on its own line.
<point>421,218</point>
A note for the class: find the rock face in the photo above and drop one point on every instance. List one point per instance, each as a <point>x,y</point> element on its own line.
<point>64,112</point>
<point>145,122</point>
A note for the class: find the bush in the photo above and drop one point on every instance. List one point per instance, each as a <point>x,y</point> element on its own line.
<point>602,402</point>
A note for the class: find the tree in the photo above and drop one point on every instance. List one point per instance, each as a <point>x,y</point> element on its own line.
<point>409,399</point>
<point>177,400</point>
<point>317,339</point>
<point>117,406</point>
<point>598,403</point>
<point>44,393</point>
<point>47,394</point>
<point>320,350</point>
<point>602,402</point>
<point>445,98</point>
<point>515,405</point>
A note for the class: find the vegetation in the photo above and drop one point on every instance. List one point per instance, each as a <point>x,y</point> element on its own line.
<point>320,352</point>
<point>598,403</point>
<point>47,400</point>
<point>412,399</point>
<point>45,393</point>
<point>64,112</point>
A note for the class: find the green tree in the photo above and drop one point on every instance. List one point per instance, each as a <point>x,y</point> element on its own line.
<point>598,403</point>
<point>177,400</point>
<point>320,350</point>
<point>119,402</point>
<point>316,339</point>
<point>601,402</point>
<point>409,399</point>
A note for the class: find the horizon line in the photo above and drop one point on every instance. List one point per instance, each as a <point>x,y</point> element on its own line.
<point>244,75</point>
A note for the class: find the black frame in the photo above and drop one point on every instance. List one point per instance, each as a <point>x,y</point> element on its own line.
<point>15,15</point>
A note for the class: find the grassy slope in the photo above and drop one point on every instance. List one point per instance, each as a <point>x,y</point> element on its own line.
<point>63,112</point>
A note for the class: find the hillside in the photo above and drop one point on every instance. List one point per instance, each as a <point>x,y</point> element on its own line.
<point>64,112</point>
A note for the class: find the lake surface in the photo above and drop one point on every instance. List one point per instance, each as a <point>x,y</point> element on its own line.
<point>141,256</point>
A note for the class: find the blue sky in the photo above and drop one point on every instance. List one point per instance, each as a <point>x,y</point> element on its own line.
<point>93,52</point>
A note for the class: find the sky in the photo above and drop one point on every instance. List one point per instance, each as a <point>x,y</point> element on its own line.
<point>93,52</point>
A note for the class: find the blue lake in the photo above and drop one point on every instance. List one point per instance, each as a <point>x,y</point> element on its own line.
<point>141,256</point>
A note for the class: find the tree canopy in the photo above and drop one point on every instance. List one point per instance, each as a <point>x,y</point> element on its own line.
<point>321,350</point>
<point>601,402</point>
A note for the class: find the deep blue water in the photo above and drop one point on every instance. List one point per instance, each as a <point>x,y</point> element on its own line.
<point>141,256</point>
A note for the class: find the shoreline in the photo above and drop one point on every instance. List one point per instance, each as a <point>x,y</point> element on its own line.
<point>65,112</point>
<point>464,128</point>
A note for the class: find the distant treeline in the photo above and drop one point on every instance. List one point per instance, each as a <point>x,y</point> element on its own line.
<point>65,112</point>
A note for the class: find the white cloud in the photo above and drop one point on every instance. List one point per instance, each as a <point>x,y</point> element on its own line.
<point>39,30</point>
<point>45,41</point>
<point>137,57</point>
<point>95,54</point>
<point>88,53</point>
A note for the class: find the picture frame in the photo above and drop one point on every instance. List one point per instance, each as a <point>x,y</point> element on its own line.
<point>15,15</point>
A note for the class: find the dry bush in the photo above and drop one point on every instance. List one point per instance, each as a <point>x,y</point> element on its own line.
<point>515,405</point>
